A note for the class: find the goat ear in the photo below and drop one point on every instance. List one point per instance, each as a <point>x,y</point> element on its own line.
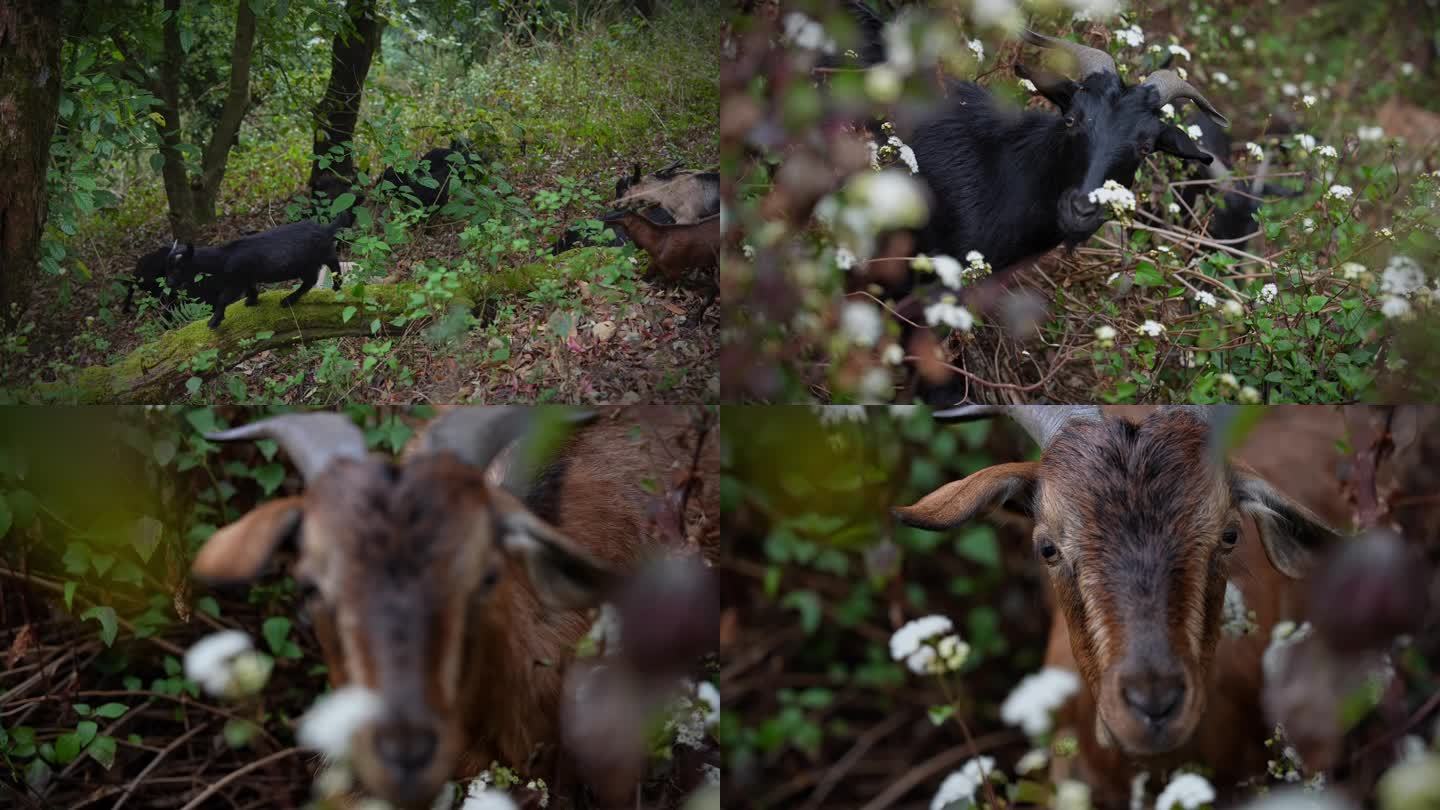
<point>1173,140</point>
<point>1293,536</point>
<point>979,493</point>
<point>1058,89</point>
<point>565,576</point>
<point>239,551</point>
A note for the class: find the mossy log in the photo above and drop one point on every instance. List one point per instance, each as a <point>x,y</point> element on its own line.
<point>156,371</point>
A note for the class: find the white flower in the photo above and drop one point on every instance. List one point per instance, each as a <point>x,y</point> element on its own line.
<point>946,311</point>
<point>1029,85</point>
<point>1395,307</point>
<point>1232,308</point>
<point>1034,760</point>
<point>894,355</point>
<point>1106,334</point>
<point>891,200</point>
<point>1308,100</point>
<point>977,47</point>
<point>1402,276</point>
<point>1340,192</point>
<point>479,796</point>
<point>908,156</point>
<point>1221,77</point>
<point>1184,74</point>
<point>1352,271</point>
<point>1194,132</point>
<point>332,721</point>
<point>1249,395</point>
<point>1254,150</point>
<point>1289,89</point>
<point>835,414</point>
<point>1179,51</point>
<point>1249,45</point>
<point>1112,278</point>
<point>1072,795</point>
<point>960,786</point>
<point>1138,791</point>
<point>803,32</point>
<point>1206,298</point>
<point>1031,702</point>
<point>908,644</point>
<point>1131,36</point>
<point>1151,328</point>
<point>1283,635</point>
<point>844,259</point>
<point>225,665</point>
<point>1386,233</point>
<point>1370,133</point>
<point>861,322</point>
<point>1407,69</point>
<point>1187,790</point>
<point>1167,111</point>
<point>997,14</point>
<point>1267,293</point>
<point>883,83</point>
<point>1173,208</point>
<point>950,271</point>
<point>1327,151</point>
<point>1116,196</point>
<point>1307,142</point>
<point>1228,380</point>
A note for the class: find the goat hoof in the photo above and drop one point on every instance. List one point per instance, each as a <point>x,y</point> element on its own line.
<point>254,303</point>
<point>288,302</point>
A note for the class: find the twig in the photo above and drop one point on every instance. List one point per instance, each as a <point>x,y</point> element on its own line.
<point>856,752</point>
<point>140,777</point>
<point>236,774</point>
<point>936,764</point>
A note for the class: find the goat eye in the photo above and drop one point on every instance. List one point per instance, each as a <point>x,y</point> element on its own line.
<point>1048,552</point>
<point>1069,120</point>
<point>492,578</point>
<point>1144,149</point>
<point>1231,538</point>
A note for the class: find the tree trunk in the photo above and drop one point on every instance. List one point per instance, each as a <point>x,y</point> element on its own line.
<point>177,183</point>
<point>29,103</point>
<point>237,103</point>
<point>350,59</point>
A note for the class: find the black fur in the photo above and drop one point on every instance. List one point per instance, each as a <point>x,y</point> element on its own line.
<point>219,275</point>
<point>573,237</point>
<point>437,164</point>
<point>149,272</point>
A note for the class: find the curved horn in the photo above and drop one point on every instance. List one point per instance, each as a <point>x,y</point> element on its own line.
<point>1042,422</point>
<point>477,434</point>
<point>311,440</point>
<point>1170,86</point>
<point>1087,59</point>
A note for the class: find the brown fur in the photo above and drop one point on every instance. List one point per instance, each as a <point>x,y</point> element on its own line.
<point>685,194</point>
<point>1137,512</point>
<point>415,578</point>
<point>674,249</point>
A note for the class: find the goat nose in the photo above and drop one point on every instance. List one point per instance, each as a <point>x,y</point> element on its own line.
<point>1154,697</point>
<point>405,748</point>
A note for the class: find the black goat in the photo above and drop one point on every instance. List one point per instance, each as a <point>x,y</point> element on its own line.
<point>1013,184</point>
<point>575,235</point>
<point>431,181</point>
<point>1234,218</point>
<point>149,272</point>
<point>219,275</point>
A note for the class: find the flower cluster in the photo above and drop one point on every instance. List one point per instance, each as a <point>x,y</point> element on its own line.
<point>1188,790</point>
<point>1402,281</point>
<point>1236,619</point>
<point>928,647</point>
<point>1032,701</point>
<point>959,788</point>
<point>949,312</point>
<point>225,664</point>
<point>1119,198</point>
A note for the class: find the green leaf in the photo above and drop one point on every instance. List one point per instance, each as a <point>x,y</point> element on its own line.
<point>807,603</point>
<point>978,543</point>
<point>163,451</point>
<point>202,419</point>
<point>112,711</point>
<point>145,537</point>
<point>6,517</point>
<point>67,747</point>
<point>82,709</point>
<point>109,626</point>
<point>270,476</point>
<point>207,604</point>
<point>239,733</point>
<point>23,508</point>
<point>70,587</point>
<point>939,714</point>
<point>37,774</point>
<point>276,631</point>
<point>102,750</point>
<point>1148,275</point>
<point>342,203</point>
<point>347,313</point>
<point>86,730</point>
<point>76,559</point>
<point>193,385</point>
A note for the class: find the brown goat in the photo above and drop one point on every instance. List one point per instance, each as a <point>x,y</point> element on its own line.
<point>688,196</point>
<point>1140,525</point>
<point>674,249</point>
<point>451,584</point>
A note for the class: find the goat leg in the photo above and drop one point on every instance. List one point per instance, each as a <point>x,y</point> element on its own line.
<point>306,282</point>
<point>252,295</point>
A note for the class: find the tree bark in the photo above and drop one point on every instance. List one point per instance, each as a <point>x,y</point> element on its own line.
<point>183,222</point>
<point>29,104</point>
<point>353,50</point>
<point>237,103</point>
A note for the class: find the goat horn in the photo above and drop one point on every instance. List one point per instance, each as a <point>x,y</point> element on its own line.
<point>1042,422</point>
<point>1170,86</point>
<point>476,434</point>
<point>311,440</point>
<point>1089,60</point>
